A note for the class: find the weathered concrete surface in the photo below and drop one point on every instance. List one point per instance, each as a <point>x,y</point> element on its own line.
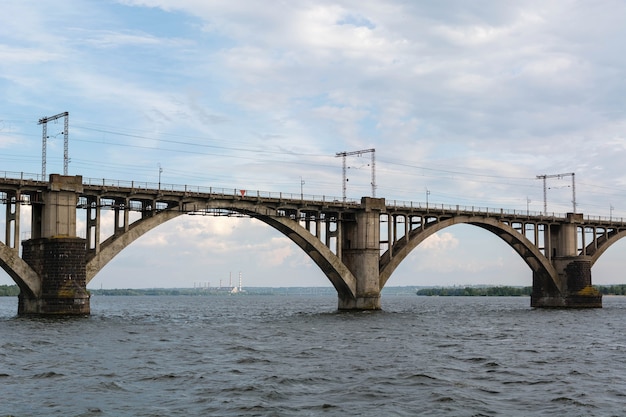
<point>360,303</point>
<point>20,271</point>
<point>59,216</point>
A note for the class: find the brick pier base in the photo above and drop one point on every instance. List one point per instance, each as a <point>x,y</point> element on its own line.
<point>579,292</point>
<point>60,262</point>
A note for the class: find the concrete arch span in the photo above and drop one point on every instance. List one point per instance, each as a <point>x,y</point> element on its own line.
<point>596,252</point>
<point>537,262</point>
<point>23,275</point>
<point>116,243</point>
<point>342,279</point>
<point>338,274</point>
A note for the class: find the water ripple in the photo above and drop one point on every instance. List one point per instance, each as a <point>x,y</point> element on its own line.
<point>296,356</point>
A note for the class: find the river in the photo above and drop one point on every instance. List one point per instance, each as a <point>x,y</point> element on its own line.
<point>297,356</point>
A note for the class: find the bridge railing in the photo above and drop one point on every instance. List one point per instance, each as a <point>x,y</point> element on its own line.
<point>457,208</point>
<point>21,176</point>
<point>605,219</point>
<point>196,189</point>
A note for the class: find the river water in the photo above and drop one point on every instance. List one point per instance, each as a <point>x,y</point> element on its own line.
<point>297,356</point>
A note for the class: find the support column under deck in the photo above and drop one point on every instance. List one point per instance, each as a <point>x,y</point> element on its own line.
<point>360,248</point>
<point>93,223</point>
<point>12,221</point>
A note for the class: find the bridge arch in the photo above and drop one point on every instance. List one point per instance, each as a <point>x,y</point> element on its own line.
<point>342,279</point>
<point>116,243</point>
<point>531,255</point>
<point>23,275</point>
<point>338,274</point>
<point>596,251</point>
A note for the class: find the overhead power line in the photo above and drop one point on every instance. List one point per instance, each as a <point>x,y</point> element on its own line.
<point>439,173</point>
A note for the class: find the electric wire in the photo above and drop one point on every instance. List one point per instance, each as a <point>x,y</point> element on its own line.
<point>293,158</point>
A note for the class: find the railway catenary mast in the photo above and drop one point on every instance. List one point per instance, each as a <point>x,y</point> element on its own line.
<point>545,190</point>
<point>44,141</point>
<point>373,166</point>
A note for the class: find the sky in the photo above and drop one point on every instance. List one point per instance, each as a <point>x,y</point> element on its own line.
<point>464,103</point>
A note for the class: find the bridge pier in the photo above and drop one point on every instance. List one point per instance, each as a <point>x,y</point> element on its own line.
<point>55,254</point>
<point>573,271</point>
<point>360,252</point>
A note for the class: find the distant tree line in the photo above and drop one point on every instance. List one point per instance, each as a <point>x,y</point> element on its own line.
<point>130,291</point>
<point>612,289</point>
<point>9,290</point>
<point>156,291</point>
<point>506,291</point>
<point>476,291</point>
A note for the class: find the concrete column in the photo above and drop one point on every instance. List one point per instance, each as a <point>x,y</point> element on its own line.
<point>567,243</point>
<point>93,224</point>
<point>12,220</point>
<point>59,214</point>
<point>390,232</point>
<point>338,236</point>
<point>120,214</point>
<point>407,227</point>
<point>360,248</point>
<point>126,214</point>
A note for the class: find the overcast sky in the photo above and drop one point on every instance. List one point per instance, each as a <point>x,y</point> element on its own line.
<point>464,102</point>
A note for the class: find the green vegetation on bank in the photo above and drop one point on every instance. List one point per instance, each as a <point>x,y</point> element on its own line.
<point>9,290</point>
<point>206,292</point>
<point>149,291</point>
<point>505,291</point>
<point>476,291</point>
<point>611,289</point>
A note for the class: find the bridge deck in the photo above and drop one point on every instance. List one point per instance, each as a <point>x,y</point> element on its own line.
<point>169,195</point>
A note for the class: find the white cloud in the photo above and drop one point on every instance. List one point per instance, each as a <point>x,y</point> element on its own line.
<point>275,252</point>
<point>113,39</point>
<point>439,242</point>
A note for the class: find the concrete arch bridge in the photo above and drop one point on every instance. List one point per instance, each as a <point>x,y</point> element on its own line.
<point>357,244</point>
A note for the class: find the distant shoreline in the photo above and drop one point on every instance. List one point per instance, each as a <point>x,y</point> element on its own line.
<point>455,291</point>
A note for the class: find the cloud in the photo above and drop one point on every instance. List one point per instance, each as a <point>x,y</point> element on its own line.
<point>275,252</point>
<point>438,242</point>
<point>8,140</point>
<point>115,39</point>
